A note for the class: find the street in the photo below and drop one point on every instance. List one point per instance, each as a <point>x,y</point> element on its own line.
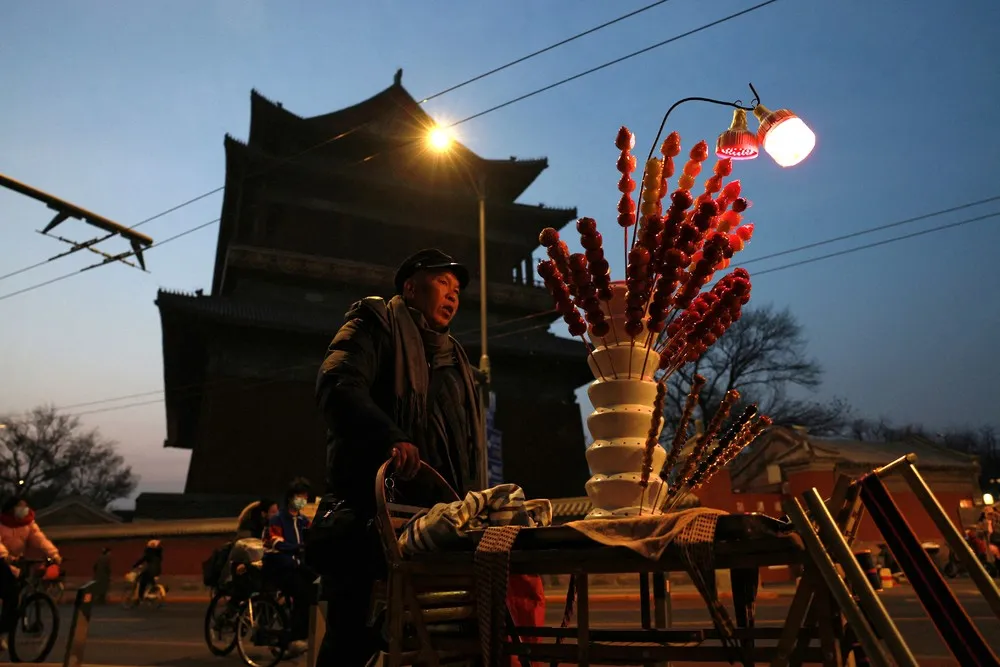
<point>173,635</point>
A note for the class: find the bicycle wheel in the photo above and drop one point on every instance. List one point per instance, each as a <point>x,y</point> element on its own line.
<point>36,630</point>
<point>220,624</point>
<point>262,632</point>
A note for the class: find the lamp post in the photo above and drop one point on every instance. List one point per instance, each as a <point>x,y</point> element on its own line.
<point>441,140</point>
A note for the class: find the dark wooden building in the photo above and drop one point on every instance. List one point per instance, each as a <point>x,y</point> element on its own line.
<point>317,213</point>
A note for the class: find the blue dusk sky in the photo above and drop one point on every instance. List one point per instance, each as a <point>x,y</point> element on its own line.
<point>121,107</point>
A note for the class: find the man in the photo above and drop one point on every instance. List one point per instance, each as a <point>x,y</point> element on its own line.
<point>282,564</point>
<point>19,534</point>
<point>394,384</point>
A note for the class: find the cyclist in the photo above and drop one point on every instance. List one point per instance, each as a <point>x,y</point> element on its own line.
<point>18,534</point>
<point>152,566</point>
<point>282,563</point>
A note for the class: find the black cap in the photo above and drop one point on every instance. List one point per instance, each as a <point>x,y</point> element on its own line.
<point>430,259</point>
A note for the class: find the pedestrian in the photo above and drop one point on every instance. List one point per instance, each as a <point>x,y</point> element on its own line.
<point>395,384</point>
<point>102,576</point>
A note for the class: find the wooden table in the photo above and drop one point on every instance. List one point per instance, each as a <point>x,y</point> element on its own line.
<point>562,550</point>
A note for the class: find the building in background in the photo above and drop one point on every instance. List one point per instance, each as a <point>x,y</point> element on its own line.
<point>317,213</point>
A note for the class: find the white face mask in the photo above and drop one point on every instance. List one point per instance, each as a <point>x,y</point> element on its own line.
<point>21,512</point>
<point>299,503</point>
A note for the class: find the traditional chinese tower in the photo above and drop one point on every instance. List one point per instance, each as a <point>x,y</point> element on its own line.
<point>317,213</point>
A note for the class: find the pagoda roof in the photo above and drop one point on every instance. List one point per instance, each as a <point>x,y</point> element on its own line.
<point>379,122</point>
<point>310,319</point>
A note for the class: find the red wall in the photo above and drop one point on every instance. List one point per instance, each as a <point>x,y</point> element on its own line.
<point>182,556</point>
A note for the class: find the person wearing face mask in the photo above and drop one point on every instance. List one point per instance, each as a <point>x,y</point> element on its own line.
<point>394,384</point>
<point>19,536</point>
<point>282,561</point>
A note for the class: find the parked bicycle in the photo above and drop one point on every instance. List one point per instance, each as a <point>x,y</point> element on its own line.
<point>37,626</point>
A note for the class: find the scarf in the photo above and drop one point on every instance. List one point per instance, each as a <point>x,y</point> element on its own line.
<point>418,350</point>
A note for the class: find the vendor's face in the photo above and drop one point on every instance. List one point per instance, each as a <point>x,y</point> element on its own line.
<point>435,295</point>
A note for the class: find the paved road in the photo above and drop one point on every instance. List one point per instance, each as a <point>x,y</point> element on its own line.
<point>172,636</point>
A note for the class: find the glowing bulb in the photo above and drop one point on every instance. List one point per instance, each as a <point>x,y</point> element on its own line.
<point>784,136</point>
<point>987,498</point>
<point>440,138</point>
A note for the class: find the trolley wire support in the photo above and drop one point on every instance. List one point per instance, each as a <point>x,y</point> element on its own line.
<point>65,210</point>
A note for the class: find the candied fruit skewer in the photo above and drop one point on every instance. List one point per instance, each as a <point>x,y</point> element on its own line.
<point>714,425</point>
<point>656,420</point>
<point>680,435</point>
<point>560,292</point>
<point>625,142</point>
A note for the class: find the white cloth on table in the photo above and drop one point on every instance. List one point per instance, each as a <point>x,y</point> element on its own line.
<point>446,524</point>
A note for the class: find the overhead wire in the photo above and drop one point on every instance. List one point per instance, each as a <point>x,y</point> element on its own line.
<point>811,260</point>
<point>344,134</point>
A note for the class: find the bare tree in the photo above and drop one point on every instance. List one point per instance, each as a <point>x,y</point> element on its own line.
<point>45,455</point>
<point>762,355</point>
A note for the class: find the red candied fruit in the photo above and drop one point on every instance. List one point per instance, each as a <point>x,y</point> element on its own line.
<point>600,329</point>
<point>547,269</point>
<point>626,163</point>
<point>577,327</point>
<point>592,242</point>
<point>633,327</point>
<point>586,225</point>
<point>625,139</point>
<point>639,255</point>
<point>724,167</point>
<point>626,219</point>
<point>682,199</point>
<point>578,262</point>
<point>549,237</point>
<point>740,204</point>
<point>626,204</point>
<point>626,184</point>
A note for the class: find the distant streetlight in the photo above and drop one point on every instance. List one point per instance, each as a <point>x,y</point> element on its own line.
<point>3,426</point>
<point>987,498</point>
<point>440,138</point>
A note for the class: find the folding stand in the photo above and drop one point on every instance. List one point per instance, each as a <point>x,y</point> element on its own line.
<point>836,574</point>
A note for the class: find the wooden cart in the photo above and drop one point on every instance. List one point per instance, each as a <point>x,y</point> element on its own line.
<point>432,611</point>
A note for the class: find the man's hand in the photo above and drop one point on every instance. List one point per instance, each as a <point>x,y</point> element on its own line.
<point>57,559</point>
<point>407,459</point>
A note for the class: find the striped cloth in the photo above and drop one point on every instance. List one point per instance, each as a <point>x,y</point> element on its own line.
<point>446,524</point>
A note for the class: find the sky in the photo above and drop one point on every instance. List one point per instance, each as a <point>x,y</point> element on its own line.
<point>121,107</point>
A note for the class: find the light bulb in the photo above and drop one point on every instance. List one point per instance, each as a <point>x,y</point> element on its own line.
<point>738,142</point>
<point>784,136</point>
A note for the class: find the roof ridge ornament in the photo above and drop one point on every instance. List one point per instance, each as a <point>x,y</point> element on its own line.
<point>397,79</point>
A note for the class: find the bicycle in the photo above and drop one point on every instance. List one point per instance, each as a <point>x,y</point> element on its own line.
<point>28,640</point>
<point>156,594</point>
<point>254,612</point>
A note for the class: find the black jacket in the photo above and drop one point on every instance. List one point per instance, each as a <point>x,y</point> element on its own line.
<point>355,391</point>
<point>152,558</point>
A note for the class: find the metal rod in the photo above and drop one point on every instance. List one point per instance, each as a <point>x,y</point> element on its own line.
<point>955,540</point>
<point>484,358</point>
<point>835,585</point>
<point>870,601</point>
<point>889,468</point>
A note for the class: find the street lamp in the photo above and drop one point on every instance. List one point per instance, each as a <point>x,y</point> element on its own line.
<point>441,140</point>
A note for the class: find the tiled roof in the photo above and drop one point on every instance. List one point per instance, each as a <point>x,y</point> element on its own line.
<point>874,454</point>
<point>324,321</point>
